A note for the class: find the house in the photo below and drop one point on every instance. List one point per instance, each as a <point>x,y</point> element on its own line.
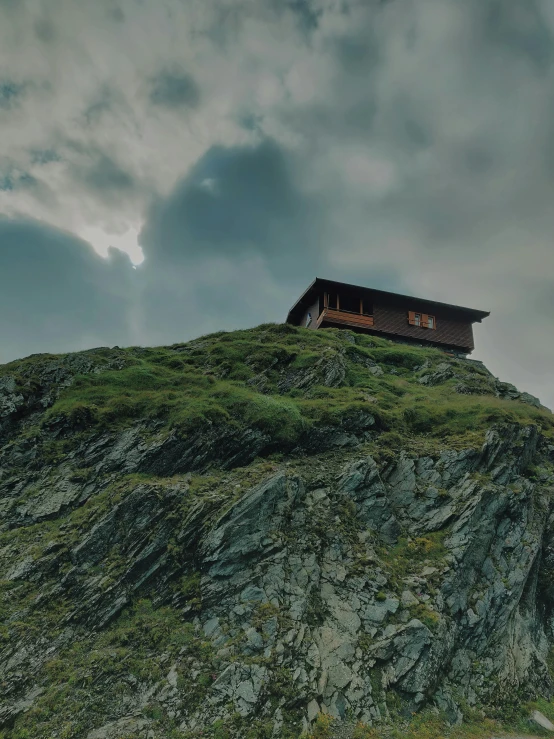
<point>327,304</point>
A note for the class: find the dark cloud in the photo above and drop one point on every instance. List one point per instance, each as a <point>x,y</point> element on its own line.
<point>236,200</point>
<point>104,176</point>
<point>45,30</point>
<point>474,158</point>
<point>10,94</point>
<point>358,52</point>
<point>102,103</point>
<point>56,294</point>
<point>410,125</point>
<point>518,29</point>
<point>174,89</point>
<point>251,122</point>
<point>44,156</point>
<point>14,180</point>
<point>308,15</point>
<point>232,246</point>
<point>115,13</point>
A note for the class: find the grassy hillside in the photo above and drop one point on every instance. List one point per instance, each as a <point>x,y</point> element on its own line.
<point>274,378</point>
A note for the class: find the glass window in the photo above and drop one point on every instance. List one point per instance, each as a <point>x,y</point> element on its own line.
<point>431,322</point>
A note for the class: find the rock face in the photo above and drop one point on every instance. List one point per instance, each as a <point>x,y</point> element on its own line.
<point>139,599</point>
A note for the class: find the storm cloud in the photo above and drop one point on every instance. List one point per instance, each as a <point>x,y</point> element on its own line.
<point>56,294</point>
<point>403,144</point>
<point>236,200</point>
<point>174,89</point>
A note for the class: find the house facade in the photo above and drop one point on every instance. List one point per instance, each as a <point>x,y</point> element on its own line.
<point>327,303</point>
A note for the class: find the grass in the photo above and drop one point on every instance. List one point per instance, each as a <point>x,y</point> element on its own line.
<point>213,380</point>
<point>409,556</point>
<point>429,724</point>
<point>137,649</point>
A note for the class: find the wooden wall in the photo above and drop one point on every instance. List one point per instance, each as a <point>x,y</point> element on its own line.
<point>314,310</point>
<point>390,316</point>
<point>450,330</point>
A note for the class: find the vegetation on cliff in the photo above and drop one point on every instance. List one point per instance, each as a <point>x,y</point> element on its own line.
<point>234,536</point>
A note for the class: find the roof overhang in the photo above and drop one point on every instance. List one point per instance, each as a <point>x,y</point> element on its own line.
<point>320,284</point>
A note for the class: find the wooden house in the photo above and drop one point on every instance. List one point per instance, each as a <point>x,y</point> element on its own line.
<point>401,317</point>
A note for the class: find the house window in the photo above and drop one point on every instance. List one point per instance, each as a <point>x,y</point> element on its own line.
<point>350,303</point>
<point>424,320</point>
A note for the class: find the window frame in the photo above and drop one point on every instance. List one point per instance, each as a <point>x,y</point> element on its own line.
<point>422,320</point>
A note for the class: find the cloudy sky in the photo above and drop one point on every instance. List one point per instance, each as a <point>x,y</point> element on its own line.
<point>169,168</point>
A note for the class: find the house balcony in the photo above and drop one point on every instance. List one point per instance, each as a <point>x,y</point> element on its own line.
<point>344,318</point>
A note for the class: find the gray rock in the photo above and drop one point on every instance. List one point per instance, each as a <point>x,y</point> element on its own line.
<point>313,710</point>
<point>329,370</point>
<point>540,719</point>
<point>378,611</point>
<point>408,599</point>
<point>115,729</point>
<point>241,532</point>
<point>10,399</point>
<point>10,711</point>
<point>362,482</point>
<point>241,684</point>
<point>442,373</point>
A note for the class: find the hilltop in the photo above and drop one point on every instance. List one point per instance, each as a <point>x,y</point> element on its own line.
<point>237,536</point>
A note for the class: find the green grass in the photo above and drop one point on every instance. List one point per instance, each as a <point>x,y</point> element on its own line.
<point>208,382</point>
<point>75,697</point>
<point>431,725</point>
<point>408,556</point>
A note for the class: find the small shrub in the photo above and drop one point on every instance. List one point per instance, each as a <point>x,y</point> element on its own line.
<point>421,546</point>
<point>419,419</point>
<point>391,440</point>
<point>361,731</point>
<point>430,618</point>
<point>323,727</point>
<point>220,731</point>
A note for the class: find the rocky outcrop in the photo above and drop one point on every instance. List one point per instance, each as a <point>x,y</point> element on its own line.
<point>477,382</point>
<point>337,586</point>
<point>161,581</point>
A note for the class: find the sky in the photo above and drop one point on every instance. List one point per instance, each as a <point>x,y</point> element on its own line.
<point>170,168</point>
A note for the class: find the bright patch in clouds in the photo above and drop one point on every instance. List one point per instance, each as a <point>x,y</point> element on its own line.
<point>126,242</point>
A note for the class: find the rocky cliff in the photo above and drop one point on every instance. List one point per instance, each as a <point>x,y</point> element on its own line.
<point>233,536</point>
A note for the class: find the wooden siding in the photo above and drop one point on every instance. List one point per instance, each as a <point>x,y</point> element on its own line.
<point>450,332</point>
<point>344,318</point>
<point>452,327</point>
<point>314,310</point>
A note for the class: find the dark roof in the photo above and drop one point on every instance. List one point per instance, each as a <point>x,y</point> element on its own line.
<point>318,284</point>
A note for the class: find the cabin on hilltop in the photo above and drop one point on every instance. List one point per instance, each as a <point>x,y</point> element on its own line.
<point>403,318</point>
